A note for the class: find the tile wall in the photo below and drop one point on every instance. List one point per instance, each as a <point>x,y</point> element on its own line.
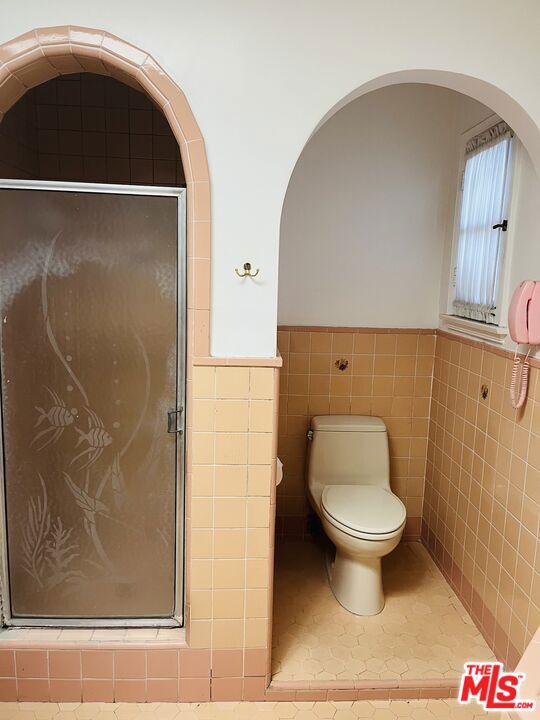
<point>230,525</point>
<point>230,503</point>
<point>482,499</point>
<point>388,374</point>
<point>19,141</point>
<point>90,128</point>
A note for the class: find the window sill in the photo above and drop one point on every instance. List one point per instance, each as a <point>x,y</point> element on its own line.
<point>488,333</point>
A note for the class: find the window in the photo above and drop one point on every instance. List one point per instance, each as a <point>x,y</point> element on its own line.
<point>481,225</point>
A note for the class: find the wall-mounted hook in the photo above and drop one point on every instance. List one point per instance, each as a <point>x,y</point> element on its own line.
<point>247,271</point>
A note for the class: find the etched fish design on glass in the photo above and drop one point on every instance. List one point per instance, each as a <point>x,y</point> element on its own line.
<point>97,438</point>
<point>59,418</point>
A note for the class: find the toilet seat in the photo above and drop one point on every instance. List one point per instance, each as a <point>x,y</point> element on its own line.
<point>363,511</point>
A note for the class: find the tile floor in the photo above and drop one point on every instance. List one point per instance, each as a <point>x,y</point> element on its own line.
<point>380,710</point>
<point>424,632</point>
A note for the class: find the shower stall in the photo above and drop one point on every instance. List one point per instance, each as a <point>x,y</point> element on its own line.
<point>93,304</point>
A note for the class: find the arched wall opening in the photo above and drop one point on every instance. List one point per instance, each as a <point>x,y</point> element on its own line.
<point>486,93</point>
<point>60,61</point>
<point>45,53</point>
<point>367,228</point>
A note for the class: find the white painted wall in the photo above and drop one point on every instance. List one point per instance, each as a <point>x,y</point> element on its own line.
<point>261,75</point>
<point>366,215</point>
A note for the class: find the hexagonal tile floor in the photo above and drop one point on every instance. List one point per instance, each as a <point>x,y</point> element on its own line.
<point>423,632</point>
<point>383,710</point>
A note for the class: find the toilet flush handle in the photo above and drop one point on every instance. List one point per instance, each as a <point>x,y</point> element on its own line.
<point>310,434</point>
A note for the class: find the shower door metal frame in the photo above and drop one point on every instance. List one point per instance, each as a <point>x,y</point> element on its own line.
<point>177,619</point>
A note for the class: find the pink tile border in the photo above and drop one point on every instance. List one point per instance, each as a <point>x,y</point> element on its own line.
<point>276,362</point>
<point>493,634</point>
<point>356,330</point>
<point>44,53</point>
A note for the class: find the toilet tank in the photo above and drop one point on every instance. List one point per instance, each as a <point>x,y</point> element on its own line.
<point>346,450</point>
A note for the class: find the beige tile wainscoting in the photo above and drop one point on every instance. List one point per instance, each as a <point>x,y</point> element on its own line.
<point>387,373</point>
<point>482,500</point>
<point>479,507</point>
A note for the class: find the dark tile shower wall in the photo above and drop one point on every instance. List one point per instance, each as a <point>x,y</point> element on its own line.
<point>92,128</point>
<point>19,141</point>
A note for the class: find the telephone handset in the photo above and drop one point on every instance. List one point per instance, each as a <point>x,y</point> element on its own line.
<point>524,326</point>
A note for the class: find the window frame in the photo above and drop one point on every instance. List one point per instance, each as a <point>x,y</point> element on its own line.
<point>492,332</point>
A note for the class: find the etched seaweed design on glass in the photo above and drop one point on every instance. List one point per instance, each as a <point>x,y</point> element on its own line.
<point>89,365</point>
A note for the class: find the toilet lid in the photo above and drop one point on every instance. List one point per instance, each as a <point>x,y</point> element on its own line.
<point>364,508</point>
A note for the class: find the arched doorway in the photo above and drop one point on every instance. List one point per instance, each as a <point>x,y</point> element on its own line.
<point>80,57</point>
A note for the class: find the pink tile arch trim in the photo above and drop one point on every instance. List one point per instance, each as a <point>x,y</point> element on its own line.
<point>43,53</point>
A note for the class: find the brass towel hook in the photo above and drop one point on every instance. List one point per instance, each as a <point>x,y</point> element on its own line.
<point>247,271</point>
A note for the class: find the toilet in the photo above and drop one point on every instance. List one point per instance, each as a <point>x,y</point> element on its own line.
<point>348,486</point>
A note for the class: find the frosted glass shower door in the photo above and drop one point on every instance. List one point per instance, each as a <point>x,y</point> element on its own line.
<point>89,308</point>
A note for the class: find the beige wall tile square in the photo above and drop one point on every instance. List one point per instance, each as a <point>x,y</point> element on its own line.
<point>231,480</point>
<point>229,543</point>
<point>232,415</point>
<point>201,574</point>
<point>261,383</point>
<point>202,512</point>
<point>299,341</point>
<point>228,604</point>
<point>341,385</point>
<point>259,480</point>
<point>297,385</point>
<point>257,603</point>
<point>202,542</point>
<point>256,573</point>
<point>261,416</point>
<point>257,543</point>
<point>200,633</point>
<point>203,415</point>
<point>202,448</point>
<point>299,363</point>
<point>228,634</point>
<point>202,480</point>
<point>230,512</point>
<point>256,632</point>
<point>321,342</point>
<point>260,448</point>
<point>320,364</point>
<point>201,604</point>
<point>258,512</point>
<point>230,574</point>
<point>232,382</point>
<point>407,344</point>
<point>364,343</point>
<point>204,381</point>
<point>385,344</point>
<point>342,343</point>
<point>231,448</point>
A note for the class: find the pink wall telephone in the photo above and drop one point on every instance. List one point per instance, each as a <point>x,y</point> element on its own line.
<point>524,326</point>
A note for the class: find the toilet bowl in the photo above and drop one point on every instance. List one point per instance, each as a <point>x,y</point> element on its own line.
<point>348,485</point>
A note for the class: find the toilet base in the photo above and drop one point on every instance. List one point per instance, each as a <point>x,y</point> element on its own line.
<point>357,583</point>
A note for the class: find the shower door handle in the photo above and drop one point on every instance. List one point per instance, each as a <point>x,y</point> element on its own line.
<point>174,421</point>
